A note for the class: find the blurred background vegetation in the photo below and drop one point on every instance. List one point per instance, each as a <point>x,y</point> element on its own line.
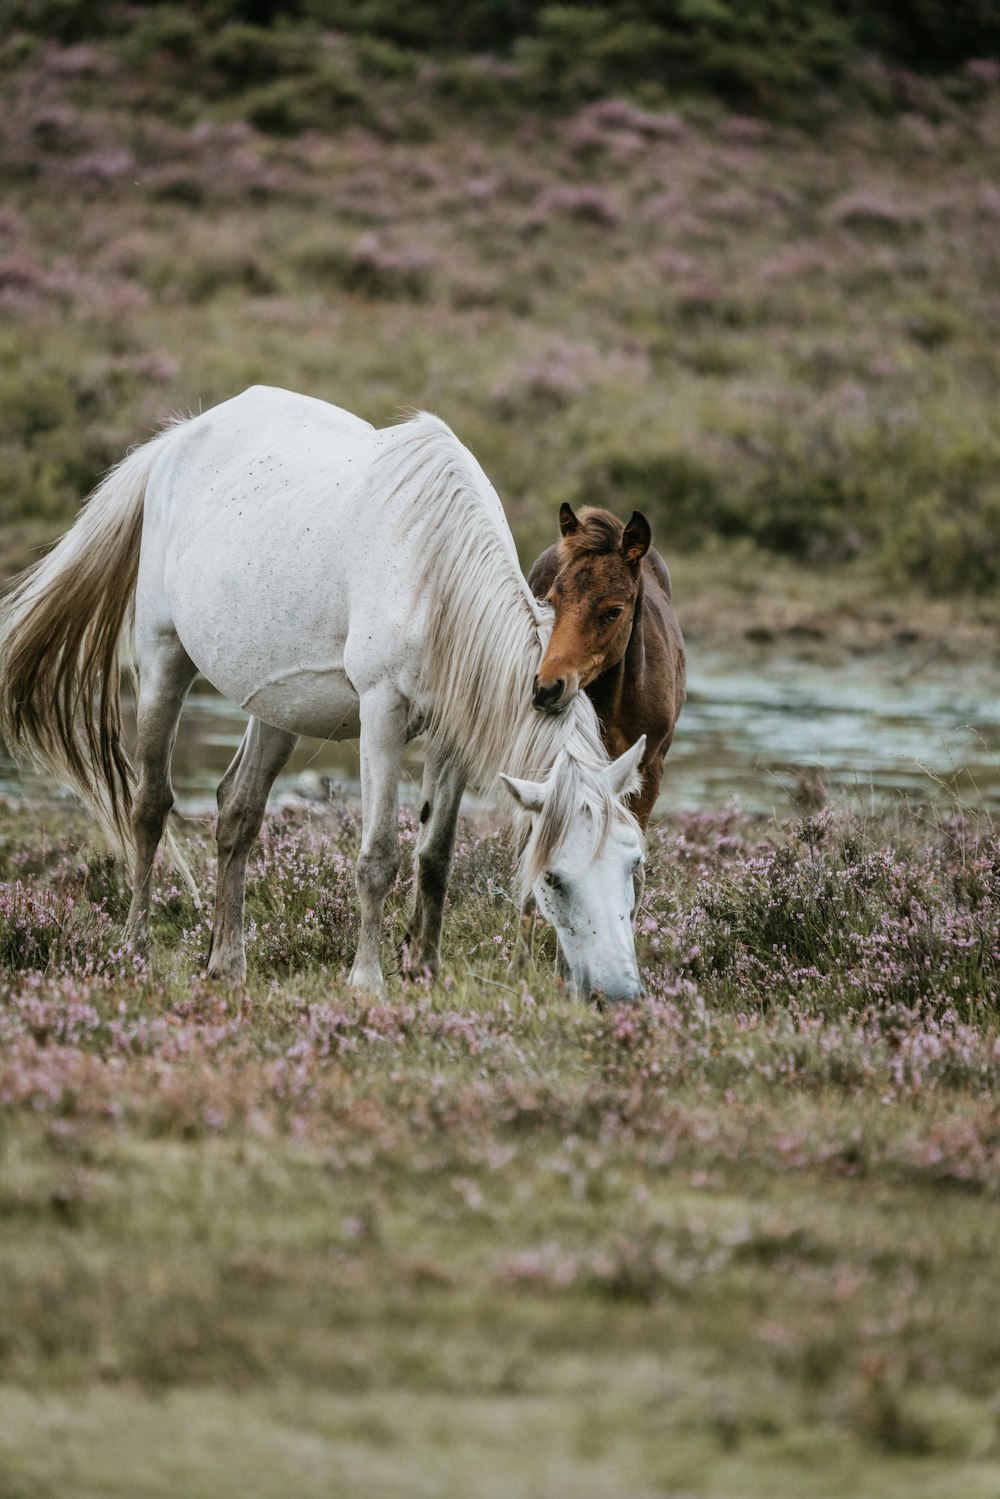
<point>732,262</point>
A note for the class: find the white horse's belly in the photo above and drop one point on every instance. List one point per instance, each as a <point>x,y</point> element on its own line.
<point>308,700</point>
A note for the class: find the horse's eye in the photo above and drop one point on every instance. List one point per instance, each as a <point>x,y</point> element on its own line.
<point>611,614</point>
<point>554,883</point>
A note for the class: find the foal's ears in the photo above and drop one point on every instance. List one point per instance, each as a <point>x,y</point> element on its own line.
<point>568,522</point>
<point>636,538</point>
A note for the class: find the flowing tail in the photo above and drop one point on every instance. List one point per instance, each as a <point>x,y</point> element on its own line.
<point>60,631</point>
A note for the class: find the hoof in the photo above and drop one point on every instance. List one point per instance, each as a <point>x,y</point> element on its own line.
<point>366,980</point>
<point>232,972</point>
<point>138,944</point>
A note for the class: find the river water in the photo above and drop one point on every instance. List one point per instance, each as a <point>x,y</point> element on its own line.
<point>752,735</point>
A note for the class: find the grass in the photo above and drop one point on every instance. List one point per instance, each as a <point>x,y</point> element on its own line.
<point>283,1239</point>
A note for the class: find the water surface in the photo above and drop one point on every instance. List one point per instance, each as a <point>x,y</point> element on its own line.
<point>752,736</point>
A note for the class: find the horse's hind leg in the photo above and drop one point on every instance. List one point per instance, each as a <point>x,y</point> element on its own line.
<point>440,797</point>
<point>166,674</point>
<point>242,797</point>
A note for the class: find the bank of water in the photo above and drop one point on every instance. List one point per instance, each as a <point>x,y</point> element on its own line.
<point>763,736</point>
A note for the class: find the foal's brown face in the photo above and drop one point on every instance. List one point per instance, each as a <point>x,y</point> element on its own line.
<point>594,595</point>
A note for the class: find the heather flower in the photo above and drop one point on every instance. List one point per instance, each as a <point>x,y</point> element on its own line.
<point>870,206</point>
<point>983,70</point>
<point>102,166</point>
<point>592,205</point>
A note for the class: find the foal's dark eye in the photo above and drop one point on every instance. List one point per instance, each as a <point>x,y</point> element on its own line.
<point>554,883</point>
<point>610,615</point>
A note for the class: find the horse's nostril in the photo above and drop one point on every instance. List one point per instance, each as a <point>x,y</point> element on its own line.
<point>548,698</point>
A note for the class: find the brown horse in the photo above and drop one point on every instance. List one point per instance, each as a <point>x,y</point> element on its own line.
<point>616,635</point>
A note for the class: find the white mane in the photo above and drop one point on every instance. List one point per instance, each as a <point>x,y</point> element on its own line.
<point>485,637</point>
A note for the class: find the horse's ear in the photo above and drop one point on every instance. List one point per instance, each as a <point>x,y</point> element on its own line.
<point>636,539</point>
<point>568,522</point>
<point>623,774</point>
<point>529,795</point>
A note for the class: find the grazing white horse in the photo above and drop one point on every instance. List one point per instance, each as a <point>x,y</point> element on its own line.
<point>334,580</point>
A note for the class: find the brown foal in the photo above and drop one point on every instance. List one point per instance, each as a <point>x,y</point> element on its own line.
<point>615,635</point>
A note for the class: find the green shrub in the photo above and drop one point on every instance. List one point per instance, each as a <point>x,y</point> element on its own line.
<point>434,25</point>
<point>787,500</point>
<point>756,53</point>
<point>932,323</point>
<point>948,548</point>
<point>816,510</point>
<point>930,34</point>
<point>58,432</point>
<point>247,56</point>
<point>34,402</point>
<point>288,106</point>
<point>65,20</point>
<point>680,494</point>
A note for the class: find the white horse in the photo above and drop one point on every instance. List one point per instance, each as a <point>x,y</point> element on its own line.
<point>334,580</point>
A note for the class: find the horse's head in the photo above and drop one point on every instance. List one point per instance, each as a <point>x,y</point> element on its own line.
<point>581,862</point>
<point>594,596</point>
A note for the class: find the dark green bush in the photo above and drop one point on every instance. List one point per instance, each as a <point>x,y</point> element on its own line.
<point>290,105</point>
<point>804,510</point>
<point>927,34</point>
<point>432,26</point>
<point>755,53</point>
<point>64,20</point>
<point>680,494</point>
<point>787,501</point>
<point>34,402</point>
<point>246,56</point>
<point>948,548</point>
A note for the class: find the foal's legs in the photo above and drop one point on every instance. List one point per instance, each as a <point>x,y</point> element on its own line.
<point>383,735</point>
<point>642,808</point>
<point>242,797</point>
<point>642,803</point>
<point>167,673</point>
<point>439,800</point>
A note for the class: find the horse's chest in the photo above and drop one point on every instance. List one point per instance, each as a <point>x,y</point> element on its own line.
<point>628,706</point>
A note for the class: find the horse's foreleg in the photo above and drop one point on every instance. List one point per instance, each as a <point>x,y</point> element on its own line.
<point>166,674</point>
<point>242,797</point>
<point>383,735</point>
<point>440,796</point>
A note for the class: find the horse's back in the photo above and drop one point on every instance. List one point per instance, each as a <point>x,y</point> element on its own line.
<point>659,606</point>
<point>656,571</point>
<point>543,571</point>
<point>663,636</point>
<point>272,407</point>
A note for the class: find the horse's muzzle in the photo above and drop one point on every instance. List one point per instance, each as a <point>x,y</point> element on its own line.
<point>549,699</point>
<point>629,995</point>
